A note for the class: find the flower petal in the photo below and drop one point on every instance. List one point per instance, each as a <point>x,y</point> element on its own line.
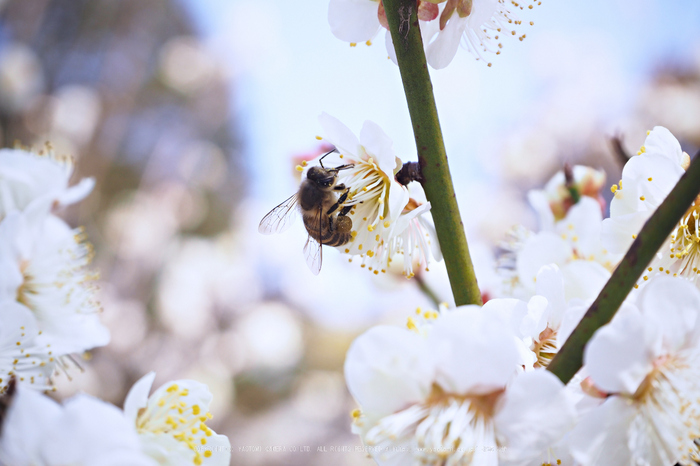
<point>618,356</point>
<point>388,368</point>
<point>137,397</point>
<point>535,413</point>
<point>474,352</point>
<point>339,135</point>
<point>353,20</point>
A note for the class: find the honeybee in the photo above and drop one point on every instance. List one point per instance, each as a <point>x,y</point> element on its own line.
<point>323,211</point>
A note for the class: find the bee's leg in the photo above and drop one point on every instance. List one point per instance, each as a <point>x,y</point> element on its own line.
<point>344,211</point>
<point>343,197</point>
<point>339,187</point>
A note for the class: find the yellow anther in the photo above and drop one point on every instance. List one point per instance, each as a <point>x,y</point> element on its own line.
<point>356,413</point>
<point>299,168</point>
<point>353,44</point>
<point>319,137</point>
<point>411,324</point>
<point>642,198</point>
<point>369,42</point>
<point>613,188</point>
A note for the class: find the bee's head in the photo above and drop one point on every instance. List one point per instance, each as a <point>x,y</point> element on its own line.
<point>322,177</point>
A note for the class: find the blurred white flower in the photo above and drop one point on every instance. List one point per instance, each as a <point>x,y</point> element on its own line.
<point>26,176</point>
<point>20,356</point>
<point>21,76</point>
<point>43,266</point>
<point>448,393</point>
<point>554,201</point>
<point>85,431</point>
<point>549,323</point>
<point>647,361</point>
<point>477,24</point>
<point>171,423</point>
<point>573,244</point>
<point>646,181</point>
<point>384,220</point>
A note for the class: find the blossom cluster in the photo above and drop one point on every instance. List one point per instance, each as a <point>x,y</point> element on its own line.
<point>479,25</point>
<point>390,230</point>
<point>470,386</point>
<point>49,313</point>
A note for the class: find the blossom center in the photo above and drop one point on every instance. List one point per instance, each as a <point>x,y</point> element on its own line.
<point>445,426</point>
<point>545,347</point>
<point>685,241</point>
<point>27,288</point>
<point>171,415</point>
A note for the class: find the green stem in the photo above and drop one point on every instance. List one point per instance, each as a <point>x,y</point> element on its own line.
<point>649,240</point>
<point>437,182</point>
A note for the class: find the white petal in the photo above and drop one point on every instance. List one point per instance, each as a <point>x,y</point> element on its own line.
<point>582,226</point>
<point>535,414</point>
<point>541,249</point>
<point>550,284</point>
<point>584,279</point>
<point>443,48</point>
<point>617,233</point>
<point>380,147</point>
<point>618,356</point>
<point>339,135</point>
<point>76,193</point>
<point>353,20</point>
<point>137,397</point>
<point>670,308</point>
<point>510,312</point>
<point>600,438</point>
<point>390,47</point>
<point>474,351</point>
<point>24,428</point>
<point>539,202</point>
<point>387,369</point>
<point>661,141</point>
<point>91,431</point>
<point>664,175</point>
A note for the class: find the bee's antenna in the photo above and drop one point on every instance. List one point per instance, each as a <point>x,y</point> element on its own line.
<point>324,156</point>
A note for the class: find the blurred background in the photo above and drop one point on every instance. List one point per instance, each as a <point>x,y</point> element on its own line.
<point>192,114</point>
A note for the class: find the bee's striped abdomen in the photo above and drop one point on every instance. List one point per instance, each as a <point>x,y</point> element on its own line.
<point>325,236</point>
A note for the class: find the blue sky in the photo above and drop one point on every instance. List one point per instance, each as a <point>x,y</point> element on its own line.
<point>579,57</point>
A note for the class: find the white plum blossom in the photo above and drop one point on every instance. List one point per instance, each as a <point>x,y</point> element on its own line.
<point>385,220</point>
<point>20,356</point>
<point>453,392</point>
<point>556,198</point>
<point>572,243</point>
<point>546,327</point>
<point>647,178</point>
<point>26,176</point>
<point>171,423</point>
<point>479,25</point>
<point>84,431</point>
<point>43,266</point>
<point>354,20</point>
<point>647,360</point>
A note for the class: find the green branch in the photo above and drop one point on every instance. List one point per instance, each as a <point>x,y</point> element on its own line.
<point>437,182</point>
<point>653,235</point>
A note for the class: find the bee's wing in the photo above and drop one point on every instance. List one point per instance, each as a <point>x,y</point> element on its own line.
<point>312,249</point>
<point>314,254</point>
<point>280,218</point>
